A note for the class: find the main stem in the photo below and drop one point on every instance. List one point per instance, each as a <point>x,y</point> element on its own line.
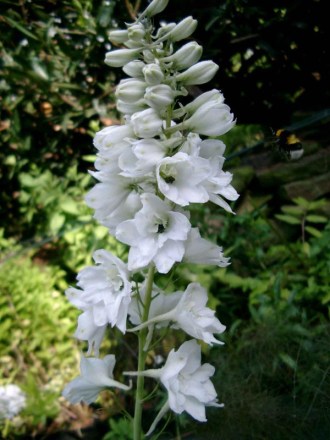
<point>137,428</point>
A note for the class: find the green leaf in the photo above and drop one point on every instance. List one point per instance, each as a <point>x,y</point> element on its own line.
<point>313,231</point>
<point>288,360</point>
<point>288,219</point>
<point>56,222</point>
<point>313,218</point>
<point>22,29</point>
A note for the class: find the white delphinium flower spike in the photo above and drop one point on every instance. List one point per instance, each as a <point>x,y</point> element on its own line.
<point>96,376</point>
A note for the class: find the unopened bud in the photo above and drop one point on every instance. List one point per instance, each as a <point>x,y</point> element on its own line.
<point>153,74</point>
<point>119,57</point>
<point>134,69</point>
<point>136,32</point>
<point>200,73</point>
<point>146,124</point>
<point>118,36</point>
<point>185,57</point>
<point>130,90</point>
<point>182,30</point>
<point>211,119</point>
<point>159,96</point>
<point>109,136</point>
<point>213,95</point>
<point>130,108</point>
<point>155,7</point>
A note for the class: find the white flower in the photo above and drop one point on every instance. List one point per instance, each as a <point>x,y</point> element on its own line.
<point>187,382</point>
<point>201,251</point>
<point>155,234</point>
<point>147,123</point>
<point>12,401</point>
<point>96,375</point>
<point>161,303</point>
<point>199,73</point>
<point>106,289</point>
<point>179,178</point>
<point>189,314</point>
<point>218,186</point>
<point>142,158</point>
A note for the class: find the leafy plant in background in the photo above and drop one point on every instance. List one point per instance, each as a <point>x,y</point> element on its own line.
<point>34,348</point>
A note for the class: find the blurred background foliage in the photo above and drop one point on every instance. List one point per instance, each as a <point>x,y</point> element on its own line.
<point>55,93</point>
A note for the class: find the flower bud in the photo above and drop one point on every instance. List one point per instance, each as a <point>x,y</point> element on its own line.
<point>153,74</point>
<point>134,69</point>
<point>164,30</point>
<point>155,7</point>
<point>130,108</point>
<point>185,57</point>
<point>213,95</point>
<point>130,90</point>
<point>136,32</point>
<point>159,96</point>
<point>109,136</point>
<point>182,30</point>
<point>118,36</point>
<point>211,119</point>
<point>200,73</point>
<point>120,57</point>
<point>147,124</point>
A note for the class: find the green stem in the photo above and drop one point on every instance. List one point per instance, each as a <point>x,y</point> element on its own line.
<point>137,428</point>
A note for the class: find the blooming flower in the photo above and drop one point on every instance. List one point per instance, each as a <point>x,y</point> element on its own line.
<point>190,314</point>
<point>96,375</point>
<point>201,251</point>
<point>187,382</point>
<point>155,234</point>
<point>104,295</point>
<point>179,178</point>
<point>12,401</point>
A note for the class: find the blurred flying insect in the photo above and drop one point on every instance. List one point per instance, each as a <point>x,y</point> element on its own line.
<point>288,144</point>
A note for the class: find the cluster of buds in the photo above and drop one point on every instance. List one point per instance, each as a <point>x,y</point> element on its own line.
<point>149,170</point>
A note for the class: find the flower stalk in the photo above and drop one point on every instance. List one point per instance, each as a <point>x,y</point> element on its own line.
<point>142,354</point>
